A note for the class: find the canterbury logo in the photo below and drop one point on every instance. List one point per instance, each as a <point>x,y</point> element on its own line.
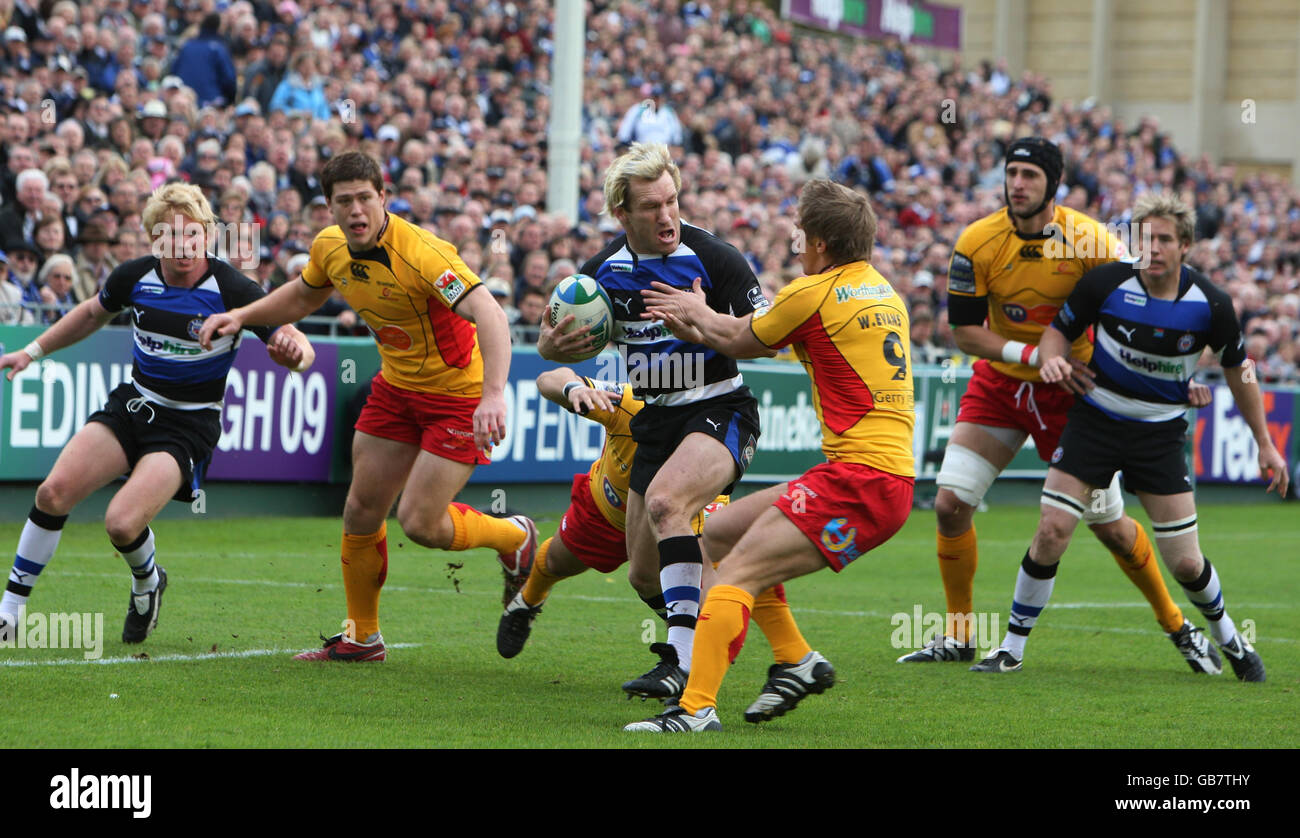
<point>360,271</point>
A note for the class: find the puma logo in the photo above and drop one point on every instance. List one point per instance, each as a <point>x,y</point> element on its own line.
<point>1128,333</point>
<point>717,426</point>
<point>626,304</point>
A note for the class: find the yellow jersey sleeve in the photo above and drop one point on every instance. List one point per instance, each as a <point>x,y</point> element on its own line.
<point>777,325</point>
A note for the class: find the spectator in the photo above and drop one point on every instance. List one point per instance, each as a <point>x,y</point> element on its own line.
<point>263,76</point>
<point>205,66</point>
<point>94,261</point>
<point>301,90</point>
<point>49,236</point>
<point>651,120</point>
<point>56,279</point>
<point>532,305</point>
<point>12,310</point>
<point>24,260</point>
<point>20,217</point>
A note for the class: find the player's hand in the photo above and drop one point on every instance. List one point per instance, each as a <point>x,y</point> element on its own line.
<point>663,301</point>
<point>228,323</point>
<point>15,362</point>
<point>289,348</point>
<point>1198,395</point>
<point>681,329</point>
<point>1056,370</point>
<point>680,310</point>
<point>489,421</point>
<point>558,345</point>
<point>1081,377</point>
<point>583,399</point>
<point>1274,464</point>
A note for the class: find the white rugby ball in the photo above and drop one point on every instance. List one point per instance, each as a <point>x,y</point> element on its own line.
<point>581,296</point>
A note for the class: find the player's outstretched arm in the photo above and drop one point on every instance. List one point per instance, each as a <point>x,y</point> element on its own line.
<point>290,348</point>
<point>77,324</point>
<point>688,315</point>
<point>494,343</point>
<point>289,303</point>
<point>568,389</point>
<point>1251,404</point>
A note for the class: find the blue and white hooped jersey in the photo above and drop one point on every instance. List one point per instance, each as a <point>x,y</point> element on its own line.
<point>662,369</point>
<point>170,367</point>
<point>1146,348</point>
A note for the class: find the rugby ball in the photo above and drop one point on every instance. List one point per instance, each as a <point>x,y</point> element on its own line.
<point>582,296</point>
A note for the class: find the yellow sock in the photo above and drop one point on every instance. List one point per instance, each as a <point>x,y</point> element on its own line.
<point>719,634</point>
<point>539,583</point>
<point>1140,566</point>
<point>772,615</point>
<point>474,529</point>
<point>365,566</point>
<point>958,558</point>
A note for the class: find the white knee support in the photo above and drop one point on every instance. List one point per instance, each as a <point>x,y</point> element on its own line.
<point>1173,529</point>
<point>966,474</point>
<point>1105,505</point>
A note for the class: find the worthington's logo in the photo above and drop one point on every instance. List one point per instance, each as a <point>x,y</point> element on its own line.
<point>1150,364</point>
<point>844,293</point>
<point>109,791</point>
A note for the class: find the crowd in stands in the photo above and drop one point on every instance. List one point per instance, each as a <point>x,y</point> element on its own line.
<point>103,101</point>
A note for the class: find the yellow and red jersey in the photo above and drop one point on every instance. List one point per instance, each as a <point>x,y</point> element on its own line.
<point>406,289</point>
<point>1024,279</point>
<point>851,332</point>
<point>609,474</point>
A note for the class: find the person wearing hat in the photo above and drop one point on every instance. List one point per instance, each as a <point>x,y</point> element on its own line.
<point>1009,269</point>
<point>94,261</point>
<point>12,310</point>
<point>153,120</point>
<point>651,120</point>
<point>24,261</point>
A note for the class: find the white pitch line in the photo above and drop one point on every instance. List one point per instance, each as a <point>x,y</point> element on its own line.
<point>206,656</point>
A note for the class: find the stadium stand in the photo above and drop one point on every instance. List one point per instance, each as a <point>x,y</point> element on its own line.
<point>107,99</point>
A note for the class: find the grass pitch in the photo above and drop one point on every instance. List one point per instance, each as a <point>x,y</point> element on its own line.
<point>245,595</point>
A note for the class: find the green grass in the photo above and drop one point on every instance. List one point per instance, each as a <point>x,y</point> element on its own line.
<point>1098,673</point>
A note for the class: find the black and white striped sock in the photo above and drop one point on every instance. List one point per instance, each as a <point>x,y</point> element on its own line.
<point>1206,594</point>
<point>139,555</point>
<point>36,547</point>
<point>1033,589</point>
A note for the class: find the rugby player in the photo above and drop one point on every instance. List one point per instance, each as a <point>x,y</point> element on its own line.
<point>1014,268</point>
<point>699,428</point>
<point>1152,325</point>
<point>436,405</point>
<point>850,330</point>
<point>591,533</point>
<point>160,427</point>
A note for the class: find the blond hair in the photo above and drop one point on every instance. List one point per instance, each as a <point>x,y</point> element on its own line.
<point>643,161</point>
<point>173,199</point>
<point>1167,205</point>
